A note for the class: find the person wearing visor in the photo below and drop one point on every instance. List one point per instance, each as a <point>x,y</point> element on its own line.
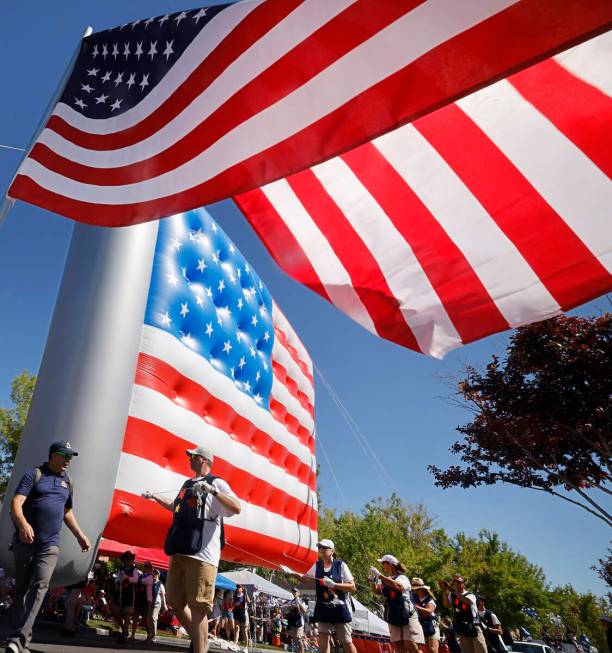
<point>333,583</point>
<point>41,504</point>
<point>194,543</point>
<point>404,626</point>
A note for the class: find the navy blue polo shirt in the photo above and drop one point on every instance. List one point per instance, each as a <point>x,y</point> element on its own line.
<point>46,503</point>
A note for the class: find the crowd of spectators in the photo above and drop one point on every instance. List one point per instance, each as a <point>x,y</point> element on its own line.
<point>117,595</point>
<point>133,598</point>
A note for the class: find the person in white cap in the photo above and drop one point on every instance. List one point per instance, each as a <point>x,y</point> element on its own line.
<point>194,543</point>
<point>333,583</point>
<point>404,626</point>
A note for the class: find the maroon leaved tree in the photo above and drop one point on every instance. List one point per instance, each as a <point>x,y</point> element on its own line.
<point>542,418</point>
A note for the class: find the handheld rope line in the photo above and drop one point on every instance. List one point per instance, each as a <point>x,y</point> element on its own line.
<point>357,433</point>
<point>12,147</point>
<point>331,470</point>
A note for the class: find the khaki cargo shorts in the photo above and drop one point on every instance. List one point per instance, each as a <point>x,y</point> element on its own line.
<point>190,582</point>
<point>344,632</point>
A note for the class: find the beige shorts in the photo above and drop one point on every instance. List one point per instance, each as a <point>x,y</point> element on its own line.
<point>296,632</point>
<point>436,634</point>
<point>344,632</point>
<point>190,582</point>
<point>412,632</point>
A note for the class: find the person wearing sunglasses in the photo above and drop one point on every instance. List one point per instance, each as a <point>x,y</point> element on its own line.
<point>41,504</point>
<point>333,584</point>
<point>194,543</point>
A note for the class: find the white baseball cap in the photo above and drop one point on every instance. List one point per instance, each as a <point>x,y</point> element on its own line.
<point>392,560</point>
<point>201,451</point>
<point>326,544</point>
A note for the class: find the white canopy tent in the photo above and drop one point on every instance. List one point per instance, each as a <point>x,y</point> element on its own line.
<point>252,581</point>
<point>367,621</point>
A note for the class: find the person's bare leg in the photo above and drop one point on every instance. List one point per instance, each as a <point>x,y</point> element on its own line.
<point>411,647</point>
<point>183,614</point>
<point>323,642</point>
<point>433,645</point>
<point>199,630</point>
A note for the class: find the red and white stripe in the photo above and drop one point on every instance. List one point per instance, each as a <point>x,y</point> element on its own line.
<point>268,457</point>
<point>269,88</point>
<point>487,214</point>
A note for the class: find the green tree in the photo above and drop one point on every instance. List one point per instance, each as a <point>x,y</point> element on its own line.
<point>384,526</point>
<point>543,416</point>
<point>12,421</point>
<point>603,569</point>
<point>506,578</point>
<point>579,614</point>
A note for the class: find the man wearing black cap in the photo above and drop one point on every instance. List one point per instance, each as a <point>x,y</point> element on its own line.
<point>194,543</point>
<point>42,502</point>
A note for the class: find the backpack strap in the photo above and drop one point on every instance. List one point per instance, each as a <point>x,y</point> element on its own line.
<point>319,569</point>
<point>38,474</point>
<point>336,570</point>
<point>209,478</point>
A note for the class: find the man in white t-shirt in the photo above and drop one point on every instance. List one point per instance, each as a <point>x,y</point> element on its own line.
<point>492,627</point>
<point>295,611</point>
<point>194,544</point>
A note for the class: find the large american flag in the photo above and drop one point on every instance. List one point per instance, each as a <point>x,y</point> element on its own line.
<point>170,113</point>
<point>487,214</point>
<point>219,366</point>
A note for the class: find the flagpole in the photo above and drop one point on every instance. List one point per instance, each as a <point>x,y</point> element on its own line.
<point>7,202</point>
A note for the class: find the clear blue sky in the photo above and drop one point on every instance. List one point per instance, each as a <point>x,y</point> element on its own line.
<point>398,398</point>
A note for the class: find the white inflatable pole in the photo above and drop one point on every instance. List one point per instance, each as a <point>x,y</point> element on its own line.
<point>86,377</point>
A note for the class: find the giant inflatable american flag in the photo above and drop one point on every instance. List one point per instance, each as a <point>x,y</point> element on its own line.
<point>220,366</point>
<point>174,112</point>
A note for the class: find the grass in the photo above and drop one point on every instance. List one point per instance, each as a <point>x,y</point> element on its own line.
<point>111,626</point>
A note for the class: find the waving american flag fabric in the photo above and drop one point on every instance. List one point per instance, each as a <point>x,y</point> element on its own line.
<point>219,366</point>
<point>487,214</point>
<point>170,113</point>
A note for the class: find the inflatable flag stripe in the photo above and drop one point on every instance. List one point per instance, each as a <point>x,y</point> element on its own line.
<point>219,366</point>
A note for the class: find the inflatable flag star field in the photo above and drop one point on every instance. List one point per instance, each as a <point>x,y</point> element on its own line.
<point>219,366</point>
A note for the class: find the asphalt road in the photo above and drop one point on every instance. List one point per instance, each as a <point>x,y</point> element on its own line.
<point>47,639</point>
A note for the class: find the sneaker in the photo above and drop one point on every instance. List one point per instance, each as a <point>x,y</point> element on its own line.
<point>12,647</point>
